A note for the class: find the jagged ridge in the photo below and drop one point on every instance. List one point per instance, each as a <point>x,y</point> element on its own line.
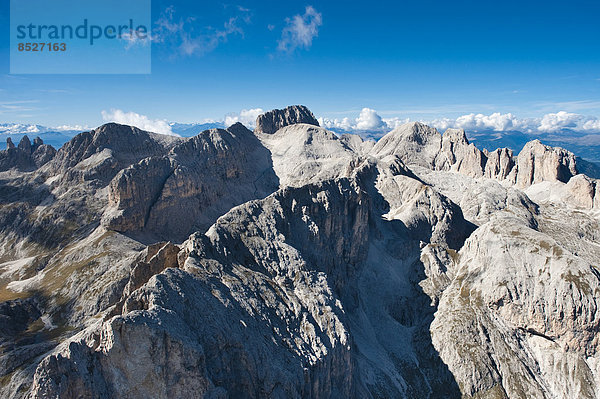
<point>318,266</point>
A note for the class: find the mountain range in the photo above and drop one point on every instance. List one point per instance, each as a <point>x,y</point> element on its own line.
<point>293,262</point>
<point>584,145</point>
<point>59,136</point>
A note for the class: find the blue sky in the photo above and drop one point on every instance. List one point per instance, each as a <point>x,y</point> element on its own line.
<point>421,60</point>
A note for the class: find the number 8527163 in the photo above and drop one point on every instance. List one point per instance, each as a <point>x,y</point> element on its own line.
<point>42,46</point>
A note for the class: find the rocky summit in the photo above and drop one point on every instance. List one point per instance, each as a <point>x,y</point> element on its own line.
<point>289,262</point>
<point>272,121</point>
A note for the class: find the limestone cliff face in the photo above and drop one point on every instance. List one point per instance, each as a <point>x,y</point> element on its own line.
<point>537,162</point>
<point>272,121</point>
<point>422,146</point>
<point>197,181</point>
<point>414,143</point>
<point>531,309</point>
<point>296,268</point>
<point>295,263</point>
<point>500,163</point>
<point>583,191</point>
<point>458,154</point>
<point>133,191</point>
<point>304,154</point>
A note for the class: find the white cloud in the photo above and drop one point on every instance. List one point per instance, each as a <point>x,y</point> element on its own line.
<point>369,120</point>
<point>548,123</point>
<point>394,122</point>
<point>592,125</point>
<point>183,36</point>
<point>496,121</point>
<point>246,116</point>
<point>560,120</point>
<point>136,38</point>
<point>343,124</point>
<point>139,121</point>
<point>441,123</point>
<point>300,30</point>
<point>479,122</point>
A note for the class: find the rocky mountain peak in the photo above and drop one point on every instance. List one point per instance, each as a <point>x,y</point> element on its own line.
<point>238,128</point>
<point>500,163</point>
<point>184,189</point>
<point>423,146</point>
<point>25,145</point>
<point>456,136</point>
<point>276,119</point>
<point>25,156</point>
<point>113,146</point>
<point>538,162</point>
<point>414,142</point>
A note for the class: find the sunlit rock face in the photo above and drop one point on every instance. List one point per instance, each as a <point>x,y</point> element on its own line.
<point>290,262</point>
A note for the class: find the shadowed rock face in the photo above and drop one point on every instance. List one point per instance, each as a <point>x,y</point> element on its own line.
<point>25,145</point>
<point>25,157</point>
<point>294,263</point>
<point>272,121</point>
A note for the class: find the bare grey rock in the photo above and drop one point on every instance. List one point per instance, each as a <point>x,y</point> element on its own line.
<point>186,190</point>
<point>500,163</point>
<point>485,311</point>
<point>282,281</point>
<point>415,143</point>
<point>42,154</point>
<point>25,145</point>
<point>357,144</point>
<point>103,152</point>
<point>133,191</point>
<point>274,120</point>
<point>537,162</point>
<point>304,154</point>
<point>316,267</point>
<point>582,191</point>
<point>421,146</point>
<point>25,157</point>
<point>459,155</point>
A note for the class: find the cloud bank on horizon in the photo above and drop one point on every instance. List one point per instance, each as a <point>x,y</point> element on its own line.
<point>370,122</point>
